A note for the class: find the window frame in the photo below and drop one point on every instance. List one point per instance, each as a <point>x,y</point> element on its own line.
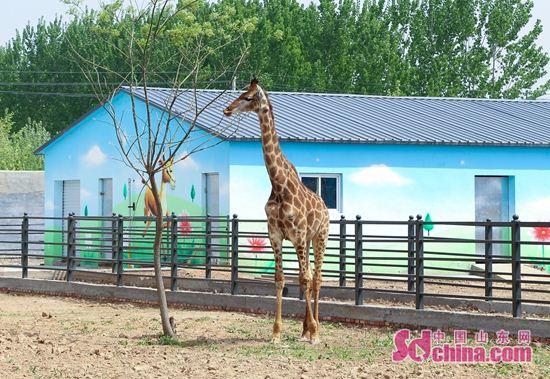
<point>319,176</point>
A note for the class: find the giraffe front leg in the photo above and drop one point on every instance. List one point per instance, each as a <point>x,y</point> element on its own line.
<point>276,244</point>
<point>303,289</point>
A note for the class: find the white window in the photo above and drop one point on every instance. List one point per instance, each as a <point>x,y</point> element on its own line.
<point>328,186</point>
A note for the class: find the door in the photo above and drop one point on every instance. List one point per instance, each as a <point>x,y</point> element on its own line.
<point>493,202</point>
<point>211,183</point>
<point>70,203</point>
<point>212,194</point>
<point>106,210</point>
<point>70,197</point>
<point>106,197</point>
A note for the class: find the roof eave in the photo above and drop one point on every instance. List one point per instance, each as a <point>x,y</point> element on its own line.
<point>394,142</point>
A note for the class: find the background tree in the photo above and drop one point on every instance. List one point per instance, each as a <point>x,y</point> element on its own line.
<point>473,48</point>
<point>167,42</point>
<point>17,147</point>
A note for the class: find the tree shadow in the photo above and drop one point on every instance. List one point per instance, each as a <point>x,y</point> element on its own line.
<point>159,340</point>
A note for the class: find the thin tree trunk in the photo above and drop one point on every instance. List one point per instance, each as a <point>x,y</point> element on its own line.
<point>163,304</point>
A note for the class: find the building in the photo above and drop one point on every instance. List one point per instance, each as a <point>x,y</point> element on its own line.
<point>380,157</point>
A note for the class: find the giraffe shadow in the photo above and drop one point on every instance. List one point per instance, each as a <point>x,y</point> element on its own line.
<point>225,341</point>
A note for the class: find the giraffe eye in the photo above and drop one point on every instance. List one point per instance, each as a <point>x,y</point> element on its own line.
<point>248,98</point>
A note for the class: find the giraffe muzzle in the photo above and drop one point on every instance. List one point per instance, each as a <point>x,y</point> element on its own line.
<point>228,112</point>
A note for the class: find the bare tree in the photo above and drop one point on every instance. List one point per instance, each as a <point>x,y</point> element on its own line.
<point>162,42</point>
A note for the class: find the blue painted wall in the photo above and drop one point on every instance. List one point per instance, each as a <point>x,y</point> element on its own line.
<point>394,181</point>
<point>89,151</point>
<point>387,182</point>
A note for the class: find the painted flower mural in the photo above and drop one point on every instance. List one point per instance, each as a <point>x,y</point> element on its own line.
<point>257,247</point>
<point>257,244</point>
<point>542,234</point>
<point>186,243</point>
<point>185,225</point>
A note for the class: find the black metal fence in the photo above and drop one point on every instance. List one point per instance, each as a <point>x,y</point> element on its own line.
<point>487,261</point>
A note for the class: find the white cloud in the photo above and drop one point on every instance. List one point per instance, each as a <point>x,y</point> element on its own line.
<point>85,194</point>
<point>535,210</point>
<point>379,175</point>
<point>188,163</point>
<point>94,157</point>
<point>49,205</point>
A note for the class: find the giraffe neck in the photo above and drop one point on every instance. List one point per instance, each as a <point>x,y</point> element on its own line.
<point>273,156</point>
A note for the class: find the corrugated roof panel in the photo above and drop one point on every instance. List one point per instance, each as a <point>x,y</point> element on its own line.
<point>374,119</point>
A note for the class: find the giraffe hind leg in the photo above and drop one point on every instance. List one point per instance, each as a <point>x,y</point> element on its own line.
<point>146,213</point>
<point>310,326</point>
<point>276,244</point>
<point>319,246</point>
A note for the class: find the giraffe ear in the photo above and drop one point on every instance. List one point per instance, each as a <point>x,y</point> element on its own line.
<point>254,82</point>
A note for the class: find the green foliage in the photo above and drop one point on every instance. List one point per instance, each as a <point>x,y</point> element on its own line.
<point>467,48</point>
<point>17,147</point>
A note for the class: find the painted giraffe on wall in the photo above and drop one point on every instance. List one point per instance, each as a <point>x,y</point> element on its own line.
<point>293,212</point>
<point>150,208</point>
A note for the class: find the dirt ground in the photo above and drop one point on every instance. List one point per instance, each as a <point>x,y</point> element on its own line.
<point>46,337</point>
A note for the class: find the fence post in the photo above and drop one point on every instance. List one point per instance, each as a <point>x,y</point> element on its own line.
<point>410,254</point>
<point>25,246</point>
<point>208,248</point>
<point>342,267</point>
<point>419,298</point>
<point>488,260</point>
<point>71,248</point>
<point>113,243</point>
<point>120,250</point>
<point>516,267</point>
<point>358,261</point>
<point>234,253</point>
<point>174,252</point>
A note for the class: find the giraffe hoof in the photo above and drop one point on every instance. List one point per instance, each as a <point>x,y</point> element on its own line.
<point>276,339</point>
<point>304,339</point>
<point>314,341</point>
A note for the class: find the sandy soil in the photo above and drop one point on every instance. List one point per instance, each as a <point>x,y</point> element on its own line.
<point>46,337</point>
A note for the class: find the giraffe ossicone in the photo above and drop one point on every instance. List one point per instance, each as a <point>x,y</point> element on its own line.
<point>294,212</point>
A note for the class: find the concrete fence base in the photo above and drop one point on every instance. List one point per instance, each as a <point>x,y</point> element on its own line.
<point>267,288</point>
<point>377,315</point>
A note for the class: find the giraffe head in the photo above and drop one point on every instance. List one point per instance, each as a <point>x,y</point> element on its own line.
<point>168,171</point>
<point>251,100</point>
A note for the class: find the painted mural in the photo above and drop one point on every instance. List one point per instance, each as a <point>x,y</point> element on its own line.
<point>88,154</point>
<point>378,182</point>
<point>381,183</point>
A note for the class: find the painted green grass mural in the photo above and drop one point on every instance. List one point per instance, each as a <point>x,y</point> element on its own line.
<point>94,245</point>
<point>380,257</point>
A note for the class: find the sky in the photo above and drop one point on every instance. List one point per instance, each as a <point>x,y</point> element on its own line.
<point>19,12</point>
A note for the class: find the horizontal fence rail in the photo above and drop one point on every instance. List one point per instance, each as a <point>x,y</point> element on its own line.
<point>482,260</point>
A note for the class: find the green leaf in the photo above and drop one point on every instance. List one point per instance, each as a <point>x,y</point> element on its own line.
<point>428,225</point>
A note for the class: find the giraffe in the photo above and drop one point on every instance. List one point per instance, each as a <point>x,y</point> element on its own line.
<point>293,212</point>
<point>150,206</point>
